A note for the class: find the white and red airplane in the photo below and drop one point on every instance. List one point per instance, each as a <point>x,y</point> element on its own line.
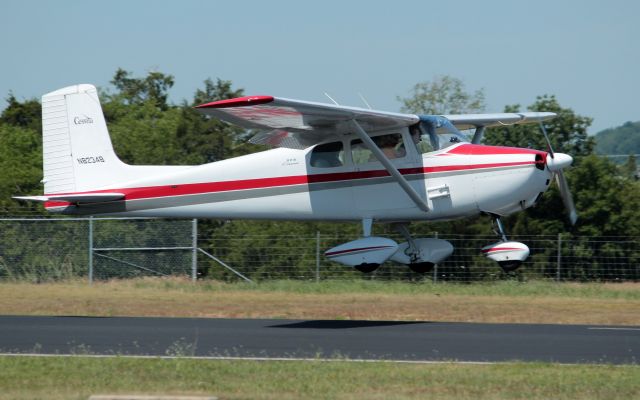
<point>330,163</point>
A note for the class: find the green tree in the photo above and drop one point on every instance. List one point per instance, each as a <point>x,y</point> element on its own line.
<point>153,87</point>
<point>214,91</point>
<point>145,135</point>
<point>567,132</point>
<point>21,163</point>
<point>442,95</point>
<point>26,114</point>
<point>608,204</point>
<point>624,139</point>
<point>146,129</point>
<point>630,167</point>
<point>202,139</point>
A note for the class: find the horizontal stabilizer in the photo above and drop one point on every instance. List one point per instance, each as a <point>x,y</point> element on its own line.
<point>75,198</point>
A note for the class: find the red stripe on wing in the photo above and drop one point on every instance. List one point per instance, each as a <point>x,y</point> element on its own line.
<point>238,102</point>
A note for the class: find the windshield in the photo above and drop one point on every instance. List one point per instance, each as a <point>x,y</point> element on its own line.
<point>440,131</point>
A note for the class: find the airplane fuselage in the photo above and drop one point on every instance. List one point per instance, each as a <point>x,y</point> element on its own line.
<point>461,180</point>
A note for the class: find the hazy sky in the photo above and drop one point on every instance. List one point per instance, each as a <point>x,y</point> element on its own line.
<point>584,52</point>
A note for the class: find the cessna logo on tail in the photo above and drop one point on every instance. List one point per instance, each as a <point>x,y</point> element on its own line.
<point>82,121</point>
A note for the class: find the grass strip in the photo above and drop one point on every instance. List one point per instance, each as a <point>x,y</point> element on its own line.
<point>504,302</point>
<point>78,377</point>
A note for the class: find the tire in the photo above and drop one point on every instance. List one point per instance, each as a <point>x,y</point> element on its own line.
<point>421,267</point>
<point>366,268</point>
<point>510,265</point>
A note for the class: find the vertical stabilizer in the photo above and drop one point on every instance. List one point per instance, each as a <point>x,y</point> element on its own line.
<point>77,151</point>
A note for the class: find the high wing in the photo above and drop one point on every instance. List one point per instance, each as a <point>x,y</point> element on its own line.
<point>300,124</point>
<point>470,121</point>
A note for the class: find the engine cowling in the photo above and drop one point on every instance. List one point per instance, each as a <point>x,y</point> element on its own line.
<point>364,254</point>
<point>509,255</point>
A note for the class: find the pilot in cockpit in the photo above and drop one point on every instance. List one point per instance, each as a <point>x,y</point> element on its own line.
<point>389,145</point>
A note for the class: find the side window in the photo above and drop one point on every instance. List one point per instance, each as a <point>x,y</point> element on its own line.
<point>421,139</point>
<point>391,145</point>
<point>328,155</point>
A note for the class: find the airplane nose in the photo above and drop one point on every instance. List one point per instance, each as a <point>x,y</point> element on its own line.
<point>559,161</point>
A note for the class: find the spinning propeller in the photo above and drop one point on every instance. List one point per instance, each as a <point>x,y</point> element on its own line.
<point>556,164</point>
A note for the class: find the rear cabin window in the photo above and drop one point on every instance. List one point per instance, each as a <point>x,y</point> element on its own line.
<point>391,145</point>
<point>328,155</point>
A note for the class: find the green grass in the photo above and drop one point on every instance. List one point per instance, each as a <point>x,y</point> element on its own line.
<point>628,291</point>
<point>78,377</point>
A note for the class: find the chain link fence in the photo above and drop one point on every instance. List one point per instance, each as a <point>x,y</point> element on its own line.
<point>108,248</point>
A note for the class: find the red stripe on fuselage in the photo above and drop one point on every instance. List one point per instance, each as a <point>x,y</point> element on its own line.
<point>482,150</point>
<point>263,183</point>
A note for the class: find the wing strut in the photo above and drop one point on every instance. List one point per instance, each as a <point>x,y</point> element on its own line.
<point>477,136</point>
<point>404,184</point>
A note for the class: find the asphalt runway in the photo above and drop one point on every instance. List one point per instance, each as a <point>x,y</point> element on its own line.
<point>274,338</point>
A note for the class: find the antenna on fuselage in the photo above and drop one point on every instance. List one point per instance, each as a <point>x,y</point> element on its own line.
<point>331,98</point>
<point>365,101</point>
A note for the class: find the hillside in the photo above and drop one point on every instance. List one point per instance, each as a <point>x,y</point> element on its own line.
<point>624,139</point>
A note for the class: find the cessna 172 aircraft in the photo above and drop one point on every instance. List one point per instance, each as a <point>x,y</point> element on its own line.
<point>330,163</point>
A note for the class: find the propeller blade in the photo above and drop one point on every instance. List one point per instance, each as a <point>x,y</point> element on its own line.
<point>556,167</point>
<point>567,199</point>
<point>546,137</point>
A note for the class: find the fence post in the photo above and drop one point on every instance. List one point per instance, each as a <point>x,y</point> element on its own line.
<point>90,250</point>
<point>194,249</point>
<point>559,258</point>
<point>435,267</point>
<point>317,256</point>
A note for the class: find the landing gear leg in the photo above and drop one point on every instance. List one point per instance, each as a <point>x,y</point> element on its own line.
<point>498,229</point>
<point>367,224</point>
<point>412,251</point>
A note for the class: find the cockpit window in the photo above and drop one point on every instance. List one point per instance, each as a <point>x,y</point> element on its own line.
<point>441,131</point>
<point>421,139</point>
<point>391,145</point>
<point>328,155</point>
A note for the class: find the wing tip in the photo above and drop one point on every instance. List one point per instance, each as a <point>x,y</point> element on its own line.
<point>238,102</point>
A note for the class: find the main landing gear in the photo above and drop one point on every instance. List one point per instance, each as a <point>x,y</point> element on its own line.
<point>508,254</point>
<point>366,254</point>
<point>420,254</point>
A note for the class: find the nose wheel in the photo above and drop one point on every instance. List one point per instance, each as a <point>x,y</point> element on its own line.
<point>509,266</point>
<point>508,254</point>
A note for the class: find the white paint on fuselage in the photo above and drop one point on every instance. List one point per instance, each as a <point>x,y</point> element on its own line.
<point>495,188</point>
